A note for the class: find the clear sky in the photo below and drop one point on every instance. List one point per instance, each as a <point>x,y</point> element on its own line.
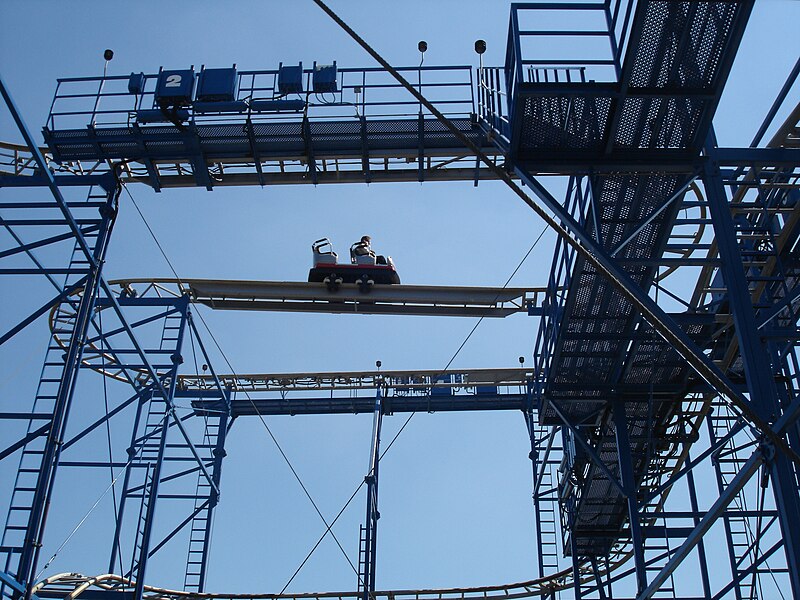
<point>455,489</point>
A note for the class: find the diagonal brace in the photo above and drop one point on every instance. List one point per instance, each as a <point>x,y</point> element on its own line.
<point>43,309</point>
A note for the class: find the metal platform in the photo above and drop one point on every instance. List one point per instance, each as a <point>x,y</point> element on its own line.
<point>364,132</point>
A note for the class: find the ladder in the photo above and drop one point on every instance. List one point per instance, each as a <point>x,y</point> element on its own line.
<point>204,503</point>
<point>147,454</point>
<point>31,465</point>
<point>726,466</point>
<point>362,557</point>
<point>657,553</point>
<point>545,499</point>
<point>149,449</point>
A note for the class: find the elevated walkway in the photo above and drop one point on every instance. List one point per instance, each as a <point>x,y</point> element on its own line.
<point>261,130</point>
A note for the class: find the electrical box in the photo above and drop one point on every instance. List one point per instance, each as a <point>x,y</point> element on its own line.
<point>325,78</point>
<point>174,88</point>
<point>290,79</point>
<point>136,83</point>
<point>217,85</point>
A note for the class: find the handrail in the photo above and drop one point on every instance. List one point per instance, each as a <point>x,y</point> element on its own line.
<point>359,92</point>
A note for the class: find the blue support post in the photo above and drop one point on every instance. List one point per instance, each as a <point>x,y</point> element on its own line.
<point>701,549</point>
<point>116,548</point>
<point>144,552</point>
<point>369,539</point>
<point>51,453</point>
<point>629,486</point>
<point>573,541</point>
<point>154,418</point>
<point>758,371</point>
<point>219,453</point>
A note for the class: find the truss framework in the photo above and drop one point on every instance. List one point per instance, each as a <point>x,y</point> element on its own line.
<point>614,413</point>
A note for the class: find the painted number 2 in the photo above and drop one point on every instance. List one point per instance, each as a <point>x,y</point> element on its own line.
<point>173,81</point>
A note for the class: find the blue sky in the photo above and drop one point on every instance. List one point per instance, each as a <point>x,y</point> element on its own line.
<point>455,489</point>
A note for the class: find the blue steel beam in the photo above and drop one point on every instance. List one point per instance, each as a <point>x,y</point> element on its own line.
<point>701,548</point>
<point>716,511</point>
<point>61,407</point>
<point>54,190</point>
<point>629,490</point>
<point>654,314</point>
<point>22,442</point>
<point>26,248</point>
<point>223,424</point>
<point>787,86</point>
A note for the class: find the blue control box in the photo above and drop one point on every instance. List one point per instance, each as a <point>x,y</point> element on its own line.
<point>175,88</point>
<point>136,83</point>
<point>325,78</point>
<point>290,79</point>
<point>217,85</point>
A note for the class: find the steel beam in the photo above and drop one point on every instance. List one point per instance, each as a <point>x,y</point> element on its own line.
<point>63,402</point>
<point>629,490</point>
<point>717,510</point>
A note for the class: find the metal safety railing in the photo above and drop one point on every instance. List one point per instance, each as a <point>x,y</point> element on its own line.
<point>541,49</point>
<point>560,279</point>
<point>369,92</point>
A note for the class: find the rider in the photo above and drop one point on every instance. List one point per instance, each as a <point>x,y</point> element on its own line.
<point>364,248</point>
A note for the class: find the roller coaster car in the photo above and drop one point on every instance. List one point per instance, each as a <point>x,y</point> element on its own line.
<point>362,270</point>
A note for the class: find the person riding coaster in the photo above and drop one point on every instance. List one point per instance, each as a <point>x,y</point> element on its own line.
<point>366,268</point>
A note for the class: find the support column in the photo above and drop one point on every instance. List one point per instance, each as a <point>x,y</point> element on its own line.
<point>51,453</point>
<point>219,453</point>
<point>629,486</point>
<point>370,529</point>
<point>701,549</point>
<point>758,371</point>
<point>151,495</point>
